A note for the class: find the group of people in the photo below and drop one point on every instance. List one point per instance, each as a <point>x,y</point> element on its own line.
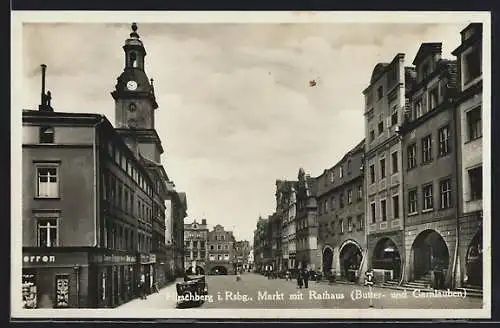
<point>303,278</point>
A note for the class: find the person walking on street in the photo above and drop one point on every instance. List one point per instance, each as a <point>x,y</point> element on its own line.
<point>299,279</point>
<point>306,278</point>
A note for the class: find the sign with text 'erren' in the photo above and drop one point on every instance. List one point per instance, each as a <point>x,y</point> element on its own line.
<point>39,259</point>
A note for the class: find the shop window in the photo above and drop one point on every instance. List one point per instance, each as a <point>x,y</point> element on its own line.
<point>46,134</point>
<point>30,293</point>
<point>47,232</point>
<point>47,181</point>
<point>62,290</point>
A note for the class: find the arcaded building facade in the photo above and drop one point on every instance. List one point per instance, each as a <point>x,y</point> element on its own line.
<point>430,168</point>
<point>470,149</point>
<point>341,223</point>
<point>195,246</point>
<point>384,109</point>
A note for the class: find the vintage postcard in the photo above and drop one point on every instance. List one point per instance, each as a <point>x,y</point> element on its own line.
<point>251,165</point>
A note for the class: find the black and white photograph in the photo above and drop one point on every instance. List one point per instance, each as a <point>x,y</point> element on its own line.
<point>251,165</point>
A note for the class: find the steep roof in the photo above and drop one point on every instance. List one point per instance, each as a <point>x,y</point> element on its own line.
<point>426,49</point>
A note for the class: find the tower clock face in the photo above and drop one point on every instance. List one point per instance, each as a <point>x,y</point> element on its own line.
<point>131,85</point>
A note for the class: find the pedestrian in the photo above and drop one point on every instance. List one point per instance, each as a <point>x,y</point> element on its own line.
<point>142,287</point>
<point>306,278</point>
<point>299,279</point>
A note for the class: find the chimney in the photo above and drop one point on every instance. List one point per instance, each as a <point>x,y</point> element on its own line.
<point>45,98</point>
<point>204,221</point>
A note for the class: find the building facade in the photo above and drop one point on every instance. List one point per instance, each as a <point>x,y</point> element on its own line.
<point>94,198</point>
<point>341,232</point>
<point>241,252</point>
<point>306,223</point>
<point>285,207</point>
<point>179,213</point>
<point>384,109</point>
<point>430,168</point>
<point>221,255</point>
<point>195,246</point>
<point>470,157</point>
<point>261,245</point>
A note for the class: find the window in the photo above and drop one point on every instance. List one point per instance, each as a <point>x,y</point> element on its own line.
<point>474,123</point>
<point>48,183</point>
<point>427,195</point>
<point>47,233</point>
<point>444,143</point>
<point>361,221</point>
<point>219,247</point>
<point>226,247</point>
<point>372,135</point>
<point>418,108</point>
<point>433,98</point>
<point>349,196</point>
<point>202,244</point>
<point>472,65</point>
<point>212,247</point>
<point>372,212</point>
<point>219,257</point>
<point>394,115</point>
<point>341,200</point>
<point>341,225</point>
<point>445,194</point>
<point>62,290</point>
<point>211,257</point>
<point>383,209</point>
<point>341,172</point>
<point>332,201</point>
<point>360,192</point>
<point>332,176</point>
<point>195,244</point>
<point>412,156</point>
<point>126,199</point>
<point>349,167</point>
<point>380,92</point>
<point>395,206</point>
<point>427,149</point>
<point>476,183</point>
<point>46,134</point>
<point>394,162</point>
<point>412,201</point>
<point>380,127</point>
<point>382,168</point>
<point>349,224</point>
<point>425,71</point>
<point>372,173</point>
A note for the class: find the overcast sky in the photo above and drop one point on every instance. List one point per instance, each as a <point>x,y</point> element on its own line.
<point>235,108</point>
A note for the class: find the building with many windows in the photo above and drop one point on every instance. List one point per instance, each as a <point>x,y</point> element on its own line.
<point>306,223</point>
<point>261,245</point>
<point>195,246</point>
<point>94,197</point>
<point>341,231</point>
<point>470,156</point>
<point>384,109</point>
<point>285,208</point>
<point>221,259</point>
<point>429,164</point>
<point>241,253</point>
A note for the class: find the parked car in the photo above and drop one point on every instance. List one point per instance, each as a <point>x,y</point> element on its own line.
<point>192,290</point>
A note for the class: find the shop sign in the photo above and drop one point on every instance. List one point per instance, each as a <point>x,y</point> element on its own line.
<point>39,259</point>
<point>115,259</point>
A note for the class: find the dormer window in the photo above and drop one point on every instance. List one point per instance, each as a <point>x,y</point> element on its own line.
<point>341,172</point>
<point>46,134</point>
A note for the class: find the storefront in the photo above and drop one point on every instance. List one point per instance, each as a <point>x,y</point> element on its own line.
<point>147,268</point>
<point>54,278</point>
<point>114,276</point>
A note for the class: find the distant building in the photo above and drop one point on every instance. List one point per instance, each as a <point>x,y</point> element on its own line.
<point>242,252</point>
<point>251,260</point>
<point>261,245</point>
<point>470,156</point>
<point>306,223</point>
<point>341,233</point>
<point>286,209</point>
<point>195,246</point>
<point>221,255</point>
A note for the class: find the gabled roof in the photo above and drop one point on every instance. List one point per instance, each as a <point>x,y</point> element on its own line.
<point>426,49</point>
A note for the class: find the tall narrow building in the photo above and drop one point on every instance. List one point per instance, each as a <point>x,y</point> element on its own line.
<point>384,109</point>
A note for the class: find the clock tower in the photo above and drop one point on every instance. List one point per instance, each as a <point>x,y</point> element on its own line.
<point>135,102</point>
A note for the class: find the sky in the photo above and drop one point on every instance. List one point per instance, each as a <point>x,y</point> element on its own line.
<point>236,111</point>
